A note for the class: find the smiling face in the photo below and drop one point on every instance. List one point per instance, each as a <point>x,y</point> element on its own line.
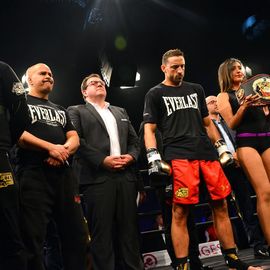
<point>40,80</point>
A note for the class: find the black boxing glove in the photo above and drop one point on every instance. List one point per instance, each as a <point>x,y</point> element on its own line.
<point>225,156</point>
<point>156,166</point>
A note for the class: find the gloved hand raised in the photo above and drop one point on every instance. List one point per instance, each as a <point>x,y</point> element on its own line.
<point>225,156</point>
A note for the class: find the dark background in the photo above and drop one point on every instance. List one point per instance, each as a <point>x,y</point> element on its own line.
<point>70,36</point>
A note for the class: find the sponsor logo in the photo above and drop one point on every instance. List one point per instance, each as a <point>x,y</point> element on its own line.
<point>180,103</point>
<point>48,115</point>
<point>209,249</point>
<point>6,179</point>
<point>18,88</point>
<point>150,261</point>
<point>181,193</point>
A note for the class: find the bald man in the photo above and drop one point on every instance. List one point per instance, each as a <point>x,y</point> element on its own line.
<point>47,185</point>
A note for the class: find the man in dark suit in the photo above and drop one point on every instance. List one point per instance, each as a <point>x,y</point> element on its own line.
<point>105,166</point>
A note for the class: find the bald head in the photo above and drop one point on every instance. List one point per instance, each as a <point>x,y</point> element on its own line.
<point>40,80</point>
<point>210,99</point>
<point>211,102</point>
<point>32,69</point>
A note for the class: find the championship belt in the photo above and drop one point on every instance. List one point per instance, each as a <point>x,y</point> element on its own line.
<point>256,85</point>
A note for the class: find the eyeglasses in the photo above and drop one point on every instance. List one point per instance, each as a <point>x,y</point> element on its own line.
<point>95,83</point>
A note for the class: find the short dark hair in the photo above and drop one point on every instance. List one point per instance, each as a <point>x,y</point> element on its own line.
<point>171,53</point>
<point>84,82</point>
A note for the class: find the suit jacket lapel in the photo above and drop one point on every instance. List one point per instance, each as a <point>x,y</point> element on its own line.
<point>226,129</point>
<point>94,112</point>
<point>116,113</point>
<point>117,117</point>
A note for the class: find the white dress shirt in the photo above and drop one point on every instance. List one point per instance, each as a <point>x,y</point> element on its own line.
<point>111,126</point>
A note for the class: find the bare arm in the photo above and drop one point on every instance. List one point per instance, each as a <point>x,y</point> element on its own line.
<point>29,141</point>
<point>149,135</point>
<point>225,156</point>
<point>211,129</point>
<point>73,141</point>
<point>71,145</point>
<point>225,109</point>
<point>57,151</point>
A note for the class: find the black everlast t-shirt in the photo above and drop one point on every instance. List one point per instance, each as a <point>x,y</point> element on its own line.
<point>178,113</point>
<point>50,122</point>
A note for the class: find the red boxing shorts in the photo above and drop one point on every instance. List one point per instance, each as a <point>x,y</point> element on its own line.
<point>186,180</point>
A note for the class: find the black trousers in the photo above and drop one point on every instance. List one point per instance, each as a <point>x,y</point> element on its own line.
<point>11,247</point>
<point>51,193</point>
<point>52,249</point>
<point>111,213</point>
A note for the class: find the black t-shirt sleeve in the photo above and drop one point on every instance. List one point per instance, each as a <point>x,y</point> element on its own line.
<point>69,125</point>
<point>150,113</point>
<point>204,110</point>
